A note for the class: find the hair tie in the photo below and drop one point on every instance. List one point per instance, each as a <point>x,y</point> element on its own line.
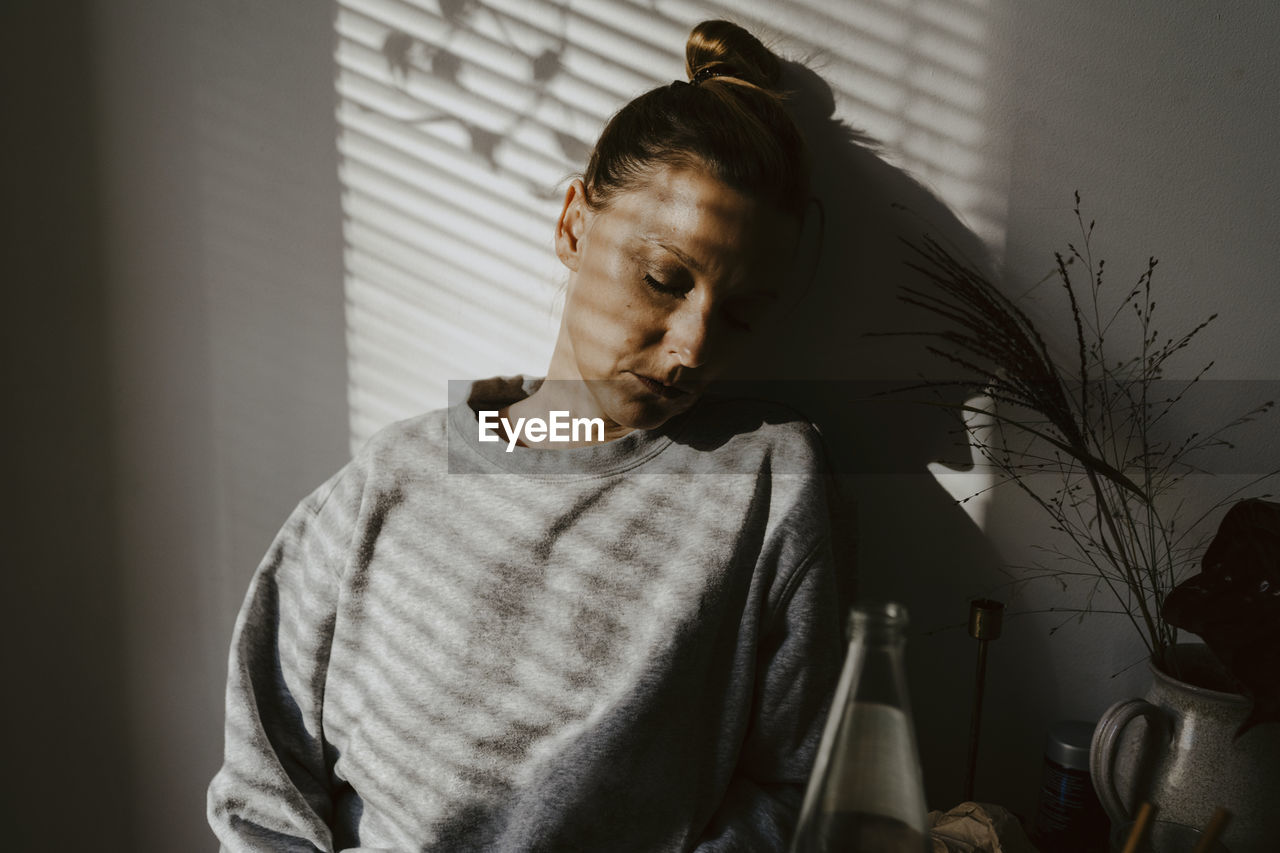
<point>706,73</point>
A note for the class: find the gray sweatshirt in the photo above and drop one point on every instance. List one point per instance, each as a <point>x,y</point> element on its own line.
<point>449,647</point>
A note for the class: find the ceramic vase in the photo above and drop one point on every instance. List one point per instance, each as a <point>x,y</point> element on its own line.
<point>1177,748</point>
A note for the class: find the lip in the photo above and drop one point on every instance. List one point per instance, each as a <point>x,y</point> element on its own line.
<point>667,392</point>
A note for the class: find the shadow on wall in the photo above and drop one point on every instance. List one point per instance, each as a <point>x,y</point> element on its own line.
<point>845,359</point>
<point>66,672</point>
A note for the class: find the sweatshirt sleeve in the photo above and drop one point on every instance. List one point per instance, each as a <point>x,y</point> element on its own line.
<point>273,789</point>
<point>798,665</point>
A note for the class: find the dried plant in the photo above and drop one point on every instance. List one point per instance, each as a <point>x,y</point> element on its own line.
<point>1093,422</point>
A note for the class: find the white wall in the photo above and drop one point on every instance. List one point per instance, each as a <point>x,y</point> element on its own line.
<point>220,280</point>
<point>1163,116</point>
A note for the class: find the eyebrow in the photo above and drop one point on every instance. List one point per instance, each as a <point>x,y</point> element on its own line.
<point>684,258</point>
<point>767,292</point>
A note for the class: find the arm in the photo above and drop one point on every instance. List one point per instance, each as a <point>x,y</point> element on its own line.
<point>273,791</point>
<point>799,661</point>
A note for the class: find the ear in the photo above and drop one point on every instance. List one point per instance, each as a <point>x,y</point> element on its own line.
<point>572,225</point>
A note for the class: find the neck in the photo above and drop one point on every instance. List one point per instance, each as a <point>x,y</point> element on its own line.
<point>565,391</point>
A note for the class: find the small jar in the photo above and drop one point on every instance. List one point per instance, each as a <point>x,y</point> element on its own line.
<point>1069,818</point>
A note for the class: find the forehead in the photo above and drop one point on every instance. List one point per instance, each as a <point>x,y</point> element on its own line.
<point>708,224</point>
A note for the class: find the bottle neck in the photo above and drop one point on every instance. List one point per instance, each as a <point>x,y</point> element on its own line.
<point>881,676</point>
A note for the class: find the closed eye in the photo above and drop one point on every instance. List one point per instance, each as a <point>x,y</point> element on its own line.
<point>664,288</point>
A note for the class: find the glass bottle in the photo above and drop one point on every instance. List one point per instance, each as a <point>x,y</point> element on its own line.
<point>866,793</point>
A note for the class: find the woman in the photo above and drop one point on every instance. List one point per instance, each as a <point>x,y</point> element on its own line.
<point>622,641</point>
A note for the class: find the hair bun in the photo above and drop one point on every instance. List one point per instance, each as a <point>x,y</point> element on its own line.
<point>724,49</point>
<point>732,124</point>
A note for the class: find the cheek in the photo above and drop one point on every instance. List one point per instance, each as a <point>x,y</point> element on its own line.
<point>601,324</point>
<point>609,312</point>
<point>621,327</point>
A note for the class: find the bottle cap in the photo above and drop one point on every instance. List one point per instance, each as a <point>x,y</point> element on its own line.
<point>883,617</point>
<point>1069,743</point>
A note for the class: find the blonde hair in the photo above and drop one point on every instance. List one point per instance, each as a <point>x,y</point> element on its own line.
<point>729,119</point>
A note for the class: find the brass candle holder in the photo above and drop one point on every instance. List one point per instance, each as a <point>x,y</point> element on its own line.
<point>986,619</point>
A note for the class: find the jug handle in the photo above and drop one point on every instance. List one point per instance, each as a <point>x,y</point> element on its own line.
<point>1102,752</point>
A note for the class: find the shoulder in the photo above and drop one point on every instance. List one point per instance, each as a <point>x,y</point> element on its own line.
<point>754,432</point>
<point>415,438</point>
<point>401,452</point>
<point>783,452</point>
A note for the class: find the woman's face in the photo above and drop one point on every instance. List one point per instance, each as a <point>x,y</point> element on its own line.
<point>667,284</point>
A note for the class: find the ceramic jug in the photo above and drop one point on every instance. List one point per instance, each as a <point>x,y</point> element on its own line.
<point>1178,749</point>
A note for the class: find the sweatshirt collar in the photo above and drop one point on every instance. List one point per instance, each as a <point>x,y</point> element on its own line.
<point>470,455</point>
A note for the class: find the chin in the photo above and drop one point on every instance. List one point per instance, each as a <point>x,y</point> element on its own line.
<point>621,403</point>
<point>644,414</point>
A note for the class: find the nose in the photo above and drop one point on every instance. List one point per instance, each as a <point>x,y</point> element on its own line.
<point>689,334</point>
